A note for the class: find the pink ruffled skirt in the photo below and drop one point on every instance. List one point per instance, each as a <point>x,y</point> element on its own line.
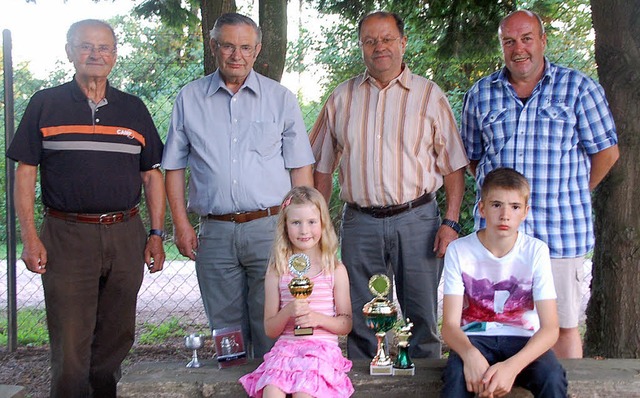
<point>315,367</point>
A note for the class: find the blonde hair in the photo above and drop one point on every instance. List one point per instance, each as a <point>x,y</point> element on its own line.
<point>282,247</point>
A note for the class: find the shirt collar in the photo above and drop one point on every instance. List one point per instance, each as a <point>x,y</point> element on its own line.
<point>251,83</point>
<point>78,94</point>
<point>403,79</point>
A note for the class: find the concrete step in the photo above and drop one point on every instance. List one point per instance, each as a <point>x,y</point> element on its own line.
<point>8,391</point>
<point>619,378</point>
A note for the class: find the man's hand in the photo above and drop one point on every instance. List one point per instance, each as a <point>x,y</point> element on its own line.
<point>34,255</point>
<point>444,236</point>
<point>186,241</point>
<point>154,254</point>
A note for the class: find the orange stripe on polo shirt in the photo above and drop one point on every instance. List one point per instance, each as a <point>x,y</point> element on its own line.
<point>88,129</point>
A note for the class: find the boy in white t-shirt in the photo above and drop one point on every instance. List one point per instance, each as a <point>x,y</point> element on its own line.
<point>499,317</point>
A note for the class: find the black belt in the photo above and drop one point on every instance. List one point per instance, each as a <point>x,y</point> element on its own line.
<point>86,218</point>
<point>246,216</point>
<point>392,210</point>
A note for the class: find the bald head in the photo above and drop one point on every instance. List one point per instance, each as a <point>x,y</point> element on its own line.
<point>520,13</point>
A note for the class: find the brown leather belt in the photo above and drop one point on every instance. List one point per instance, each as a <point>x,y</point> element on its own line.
<point>245,216</point>
<point>392,210</point>
<point>105,218</point>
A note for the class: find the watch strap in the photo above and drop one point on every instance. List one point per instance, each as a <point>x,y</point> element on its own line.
<point>452,224</point>
<point>156,232</point>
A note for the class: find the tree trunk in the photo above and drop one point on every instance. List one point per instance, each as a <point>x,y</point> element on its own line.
<point>211,10</point>
<point>273,22</point>
<point>613,313</point>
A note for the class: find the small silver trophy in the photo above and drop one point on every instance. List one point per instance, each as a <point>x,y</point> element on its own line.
<point>228,345</point>
<point>300,286</point>
<point>194,342</point>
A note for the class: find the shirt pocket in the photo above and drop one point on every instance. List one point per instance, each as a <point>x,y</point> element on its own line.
<point>555,128</point>
<point>266,138</point>
<point>497,128</point>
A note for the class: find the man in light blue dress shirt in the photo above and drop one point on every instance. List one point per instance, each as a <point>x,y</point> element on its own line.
<point>244,140</point>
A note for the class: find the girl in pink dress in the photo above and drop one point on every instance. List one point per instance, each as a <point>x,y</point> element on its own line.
<point>311,365</point>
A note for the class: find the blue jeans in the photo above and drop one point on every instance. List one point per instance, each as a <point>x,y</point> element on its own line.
<point>402,246</point>
<point>544,377</point>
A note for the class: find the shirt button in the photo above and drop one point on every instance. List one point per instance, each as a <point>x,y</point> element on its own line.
<point>235,120</point>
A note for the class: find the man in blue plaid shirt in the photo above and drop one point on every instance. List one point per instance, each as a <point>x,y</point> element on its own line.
<point>552,124</point>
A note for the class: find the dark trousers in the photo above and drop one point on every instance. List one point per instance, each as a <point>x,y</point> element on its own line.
<point>400,246</point>
<point>544,377</point>
<point>93,276</point>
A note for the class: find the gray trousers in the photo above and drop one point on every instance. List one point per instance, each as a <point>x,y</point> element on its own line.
<point>401,247</point>
<point>231,263</point>
<point>91,285</point>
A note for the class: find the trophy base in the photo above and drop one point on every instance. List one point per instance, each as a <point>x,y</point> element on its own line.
<point>380,370</point>
<point>302,331</point>
<point>404,372</point>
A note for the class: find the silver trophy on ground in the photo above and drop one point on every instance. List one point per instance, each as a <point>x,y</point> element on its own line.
<point>194,342</point>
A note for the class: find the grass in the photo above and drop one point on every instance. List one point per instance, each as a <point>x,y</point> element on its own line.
<point>152,333</point>
<point>32,328</point>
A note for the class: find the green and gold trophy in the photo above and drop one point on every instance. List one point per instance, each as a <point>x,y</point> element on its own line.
<point>403,366</point>
<point>380,315</point>
<point>300,286</point>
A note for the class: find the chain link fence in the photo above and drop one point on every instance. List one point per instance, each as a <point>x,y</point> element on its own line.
<point>169,300</point>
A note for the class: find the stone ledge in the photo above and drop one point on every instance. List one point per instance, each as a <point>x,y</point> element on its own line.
<point>587,378</point>
<point>7,391</point>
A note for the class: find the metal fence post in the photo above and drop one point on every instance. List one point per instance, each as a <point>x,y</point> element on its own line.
<point>12,313</point>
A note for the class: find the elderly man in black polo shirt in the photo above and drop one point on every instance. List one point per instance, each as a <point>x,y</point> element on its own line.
<point>96,146</point>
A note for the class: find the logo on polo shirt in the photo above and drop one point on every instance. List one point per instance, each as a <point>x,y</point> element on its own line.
<point>128,133</point>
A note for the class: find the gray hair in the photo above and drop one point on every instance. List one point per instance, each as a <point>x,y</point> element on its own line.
<point>73,29</point>
<point>233,18</point>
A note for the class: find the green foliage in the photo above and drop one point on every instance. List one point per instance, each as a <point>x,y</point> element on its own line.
<point>174,13</point>
<point>156,61</point>
<point>32,327</point>
<point>152,334</point>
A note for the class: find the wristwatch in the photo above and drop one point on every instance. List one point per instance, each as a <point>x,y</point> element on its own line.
<point>452,224</point>
<point>156,232</point>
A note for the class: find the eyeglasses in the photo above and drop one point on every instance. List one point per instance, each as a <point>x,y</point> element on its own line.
<point>229,49</point>
<point>372,43</point>
<point>101,49</point>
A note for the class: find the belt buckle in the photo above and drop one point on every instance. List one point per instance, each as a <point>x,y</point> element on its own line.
<point>108,218</point>
<point>234,215</point>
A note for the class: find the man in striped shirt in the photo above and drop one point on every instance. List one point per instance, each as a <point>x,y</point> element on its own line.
<point>553,125</point>
<point>393,138</point>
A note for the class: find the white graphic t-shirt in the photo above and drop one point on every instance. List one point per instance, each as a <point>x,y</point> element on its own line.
<point>499,293</point>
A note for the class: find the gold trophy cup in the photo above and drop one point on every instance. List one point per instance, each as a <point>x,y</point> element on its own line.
<point>300,287</point>
<point>380,315</point>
